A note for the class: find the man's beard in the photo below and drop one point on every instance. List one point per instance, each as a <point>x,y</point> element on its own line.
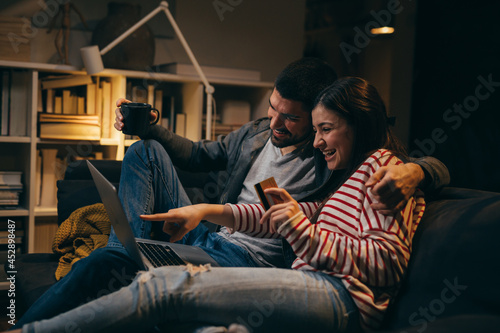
<point>289,141</point>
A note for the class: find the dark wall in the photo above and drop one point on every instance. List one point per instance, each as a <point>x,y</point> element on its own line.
<point>456,93</point>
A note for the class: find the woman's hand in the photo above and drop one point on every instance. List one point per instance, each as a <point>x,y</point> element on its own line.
<point>179,221</point>
<point>281,212</point>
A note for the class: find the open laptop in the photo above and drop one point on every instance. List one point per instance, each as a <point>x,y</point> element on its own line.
<point>145,252</point>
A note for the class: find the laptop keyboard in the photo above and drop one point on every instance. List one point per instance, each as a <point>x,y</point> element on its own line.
<point>160,255</point>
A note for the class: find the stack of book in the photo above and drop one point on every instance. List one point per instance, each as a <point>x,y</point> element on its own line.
<point>78,104</point>
<point>69,126</point>
<point>10,189</point>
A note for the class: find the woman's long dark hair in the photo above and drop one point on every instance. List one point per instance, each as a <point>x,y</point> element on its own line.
<point>360,104</point>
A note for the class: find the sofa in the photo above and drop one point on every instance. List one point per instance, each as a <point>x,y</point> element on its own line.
<point>451,280</point>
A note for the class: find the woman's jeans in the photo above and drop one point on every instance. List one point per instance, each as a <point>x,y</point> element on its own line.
<point>262,299</point>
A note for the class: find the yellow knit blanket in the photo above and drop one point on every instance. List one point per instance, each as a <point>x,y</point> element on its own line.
<point>85,230</point>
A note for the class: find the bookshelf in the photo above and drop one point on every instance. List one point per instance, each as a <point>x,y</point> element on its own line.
<point>19,152</point>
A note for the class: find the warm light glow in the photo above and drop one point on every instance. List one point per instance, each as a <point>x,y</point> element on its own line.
<point>382,31</point>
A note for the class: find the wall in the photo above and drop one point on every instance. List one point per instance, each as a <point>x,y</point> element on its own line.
<point>258,35</point>
<point>341,38</point>
<point>456,97</point>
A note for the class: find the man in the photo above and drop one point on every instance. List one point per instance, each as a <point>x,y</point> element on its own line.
<point>279,146</point>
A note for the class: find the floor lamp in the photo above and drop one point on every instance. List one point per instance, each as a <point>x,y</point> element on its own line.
<point>92,57</point>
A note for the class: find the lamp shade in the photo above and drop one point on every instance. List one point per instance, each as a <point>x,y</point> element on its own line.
<point>92,59</point>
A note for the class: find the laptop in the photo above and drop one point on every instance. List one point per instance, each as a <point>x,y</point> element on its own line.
<point>145,252</point>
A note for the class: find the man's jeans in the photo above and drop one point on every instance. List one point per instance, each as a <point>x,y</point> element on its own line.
<point>262,299</point>
<point>149,184</point>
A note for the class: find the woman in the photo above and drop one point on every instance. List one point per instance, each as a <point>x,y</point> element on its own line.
<point>350,258</point>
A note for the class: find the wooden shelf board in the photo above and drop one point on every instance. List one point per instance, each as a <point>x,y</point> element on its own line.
<point>41,66</point>
<point>15,139</point>
<point>102,142</point>
<point>14,212</point>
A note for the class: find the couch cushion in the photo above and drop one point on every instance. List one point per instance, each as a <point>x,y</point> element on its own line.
<point>78,189</point>
<point>454,264</point>
<point>73,194</point>
<point>35,274</point>
<point>110,169</point>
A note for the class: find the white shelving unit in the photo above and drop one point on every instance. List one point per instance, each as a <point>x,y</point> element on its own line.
<point>19,152</point>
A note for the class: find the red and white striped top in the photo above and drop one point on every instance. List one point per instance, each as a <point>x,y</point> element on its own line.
<point>366,249</point>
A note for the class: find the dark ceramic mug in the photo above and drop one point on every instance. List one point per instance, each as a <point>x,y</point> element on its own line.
<point>137,118</point>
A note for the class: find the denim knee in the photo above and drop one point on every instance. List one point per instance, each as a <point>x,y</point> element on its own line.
<point>145,149</point>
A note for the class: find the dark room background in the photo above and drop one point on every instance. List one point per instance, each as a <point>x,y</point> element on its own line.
<point>457,50</point>
<point>439,74</point>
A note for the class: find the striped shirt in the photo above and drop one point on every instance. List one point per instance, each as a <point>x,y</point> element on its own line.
<point>366,249</point>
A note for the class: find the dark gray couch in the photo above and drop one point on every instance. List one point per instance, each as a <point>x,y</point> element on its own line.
<point>451,283</point>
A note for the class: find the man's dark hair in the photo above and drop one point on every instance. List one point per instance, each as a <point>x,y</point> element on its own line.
<point>304,79</point>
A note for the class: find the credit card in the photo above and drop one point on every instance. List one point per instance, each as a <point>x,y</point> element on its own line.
<point>267,200</point>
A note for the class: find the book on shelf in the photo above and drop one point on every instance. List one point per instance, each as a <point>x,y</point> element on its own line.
<point>58,104</point>
<point>38,177</point>
<point>180,124</point>
<point>9,202</point>
<point>168,112</point>
<point>68,106</point>
<point>66,81</point>
<point>69,126</point>
<point>5,105</point>
<point>151,95</point>
<point>20,98</point>
<point>15,102</point>
<point>9,196</point>
<point>87,119</point>
<point>49,104</point>
<point>72,94</point>
<point>11,188</point>
<point>49,180</point>
<point>70,131</point>
<point>90,99</point>
<point>106,110</point>
<point>6,194</point>
<point>98,100</point>
<point>10,177</point>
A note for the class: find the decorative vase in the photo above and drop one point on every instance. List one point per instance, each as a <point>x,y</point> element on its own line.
<point>135,52</point>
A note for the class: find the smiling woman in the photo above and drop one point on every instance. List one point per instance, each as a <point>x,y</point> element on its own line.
<point>334,137</point>
<point>353,104</point>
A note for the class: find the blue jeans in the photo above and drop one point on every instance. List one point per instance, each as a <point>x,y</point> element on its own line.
<point>148,183</point>
<point>262,299</point>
